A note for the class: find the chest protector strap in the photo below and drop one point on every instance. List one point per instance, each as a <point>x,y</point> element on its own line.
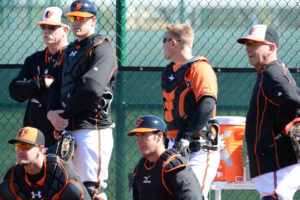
<point>53,181</point>
<point>170,160</point>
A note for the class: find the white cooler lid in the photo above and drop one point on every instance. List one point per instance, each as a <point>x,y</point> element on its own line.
<point>231,120</point>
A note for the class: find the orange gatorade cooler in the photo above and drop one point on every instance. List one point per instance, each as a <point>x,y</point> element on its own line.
<point>232,130</point>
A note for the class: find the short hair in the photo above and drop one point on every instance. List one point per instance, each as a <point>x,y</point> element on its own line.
<point>183,32</point>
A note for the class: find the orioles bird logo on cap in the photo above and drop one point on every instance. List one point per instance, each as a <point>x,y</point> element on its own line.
<point>77,6</point>
<point>252,30</point>
<point>22,132</point>
<point>48,14</point>
<point>138,123</point>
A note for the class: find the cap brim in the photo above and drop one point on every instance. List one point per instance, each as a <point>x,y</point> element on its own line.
<point>50,23</point>
<point>20,140</point>
<point>80,14</point>
<point>243,40</point>
<point>140,130</point>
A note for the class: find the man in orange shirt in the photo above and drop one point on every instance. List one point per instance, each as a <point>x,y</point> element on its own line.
<point>190,89</point>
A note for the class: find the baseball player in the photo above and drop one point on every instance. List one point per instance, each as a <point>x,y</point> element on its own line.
<point>189,87</point>
<point>38,72</point>
<point>84,95</point>
<point>36,176</point>
<point>161,174</point>
<point>274,167</point>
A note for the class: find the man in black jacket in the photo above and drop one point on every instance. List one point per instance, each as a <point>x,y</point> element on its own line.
<point>161,174</point>
<point>274,104</point>
<point>84,95</point>
<point>38,72</point>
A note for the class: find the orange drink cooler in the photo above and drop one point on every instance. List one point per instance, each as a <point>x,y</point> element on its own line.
<point>232,130</point>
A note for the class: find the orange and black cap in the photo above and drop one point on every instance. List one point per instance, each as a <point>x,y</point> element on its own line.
<point>29,135</point>
<point>148,123</point>
<point>82,8</point>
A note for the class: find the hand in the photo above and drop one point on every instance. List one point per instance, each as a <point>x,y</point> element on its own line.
<point>48,82</point>
<point>182,147</point>
<point>56,120</point>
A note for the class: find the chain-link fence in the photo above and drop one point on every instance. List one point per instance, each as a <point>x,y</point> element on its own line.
<point>136,28</point>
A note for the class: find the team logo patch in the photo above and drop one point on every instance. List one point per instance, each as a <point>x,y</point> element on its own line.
<point>252,30</point>
<point>48,14</point>
<point>77,6</point>
<point>138,123</point>
<point>22,132</point>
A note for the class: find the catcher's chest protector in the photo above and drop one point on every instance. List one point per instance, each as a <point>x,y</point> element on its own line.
<point>175,88</point>
<point>151,180</point>
<point>75,64</point>
<point>53,181</point>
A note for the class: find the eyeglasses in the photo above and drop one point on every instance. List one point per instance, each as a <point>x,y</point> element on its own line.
<point>23,147</point>
<point>169,39</point>
<point>78,18</point>
<point>49,27</point>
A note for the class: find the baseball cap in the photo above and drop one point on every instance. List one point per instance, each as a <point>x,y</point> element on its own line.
<point>53,16</point>
<point>148,123</point>
<point>29,135</point>
<point>261,33</point>
<point>82,8</point>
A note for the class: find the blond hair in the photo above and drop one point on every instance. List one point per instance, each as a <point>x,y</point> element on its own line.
<point>183,32</point>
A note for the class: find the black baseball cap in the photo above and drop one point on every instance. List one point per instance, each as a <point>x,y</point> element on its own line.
<point>29,135</point>
<point>261,33</point>
<point>148,123</point>
<point>82,8</point>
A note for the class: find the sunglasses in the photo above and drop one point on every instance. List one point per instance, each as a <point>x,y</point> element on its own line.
<point>23,147</point>
<point>169,39</point>
<point>78,18</point>
<point>255,44</point>
<point>49,27</point>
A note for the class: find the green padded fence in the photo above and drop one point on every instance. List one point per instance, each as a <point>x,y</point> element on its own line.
<point>136,29</point>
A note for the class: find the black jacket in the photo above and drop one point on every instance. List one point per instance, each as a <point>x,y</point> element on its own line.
<point>274,103</point>
<point>85,87</point>
<point>30,85</point>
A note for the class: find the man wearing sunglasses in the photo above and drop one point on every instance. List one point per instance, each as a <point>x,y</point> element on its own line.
<point>190,94</point>
<point>36,176</point>
<point>161,174</point>
<point>275,102</point>
<point>38,72</point>
<point>85,93</point>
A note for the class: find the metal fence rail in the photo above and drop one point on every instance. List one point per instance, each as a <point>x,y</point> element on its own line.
<point>136,28</point>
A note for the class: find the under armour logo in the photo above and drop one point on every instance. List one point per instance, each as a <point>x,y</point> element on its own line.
<point>171,78</point>
<point>147,179</point>
<point>38,194</point>
<point>73,53</point>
